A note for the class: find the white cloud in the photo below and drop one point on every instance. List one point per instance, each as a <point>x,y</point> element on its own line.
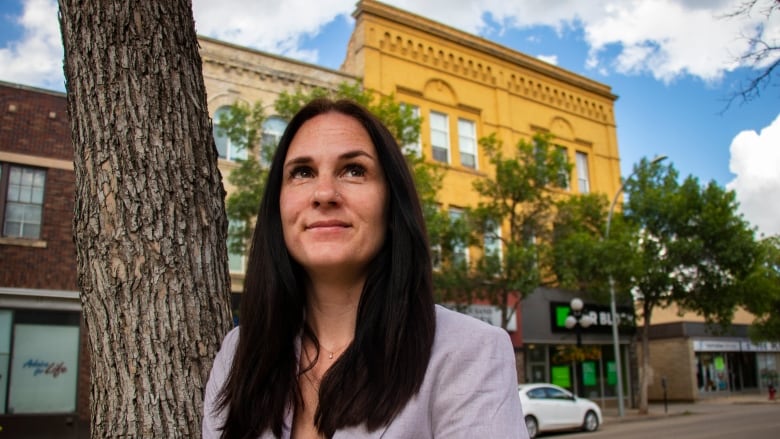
<point>552,59</point>
<point>755,160</point>
<point>36,57</point>
<point>662,38</point>
<point>269,25</point>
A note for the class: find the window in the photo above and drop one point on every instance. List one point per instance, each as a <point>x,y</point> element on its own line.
<point>415,147</point>
<point>273,128</point>
<point>235,259</point>
<point>492,239</point>
<point>226,148</point>
<point>440,137</point>
<point>582,172</point>
<point>21,200</point>
<point>460,253</point>
<point>38,361</point>
<point>467,141</point>
<point>564,176</point>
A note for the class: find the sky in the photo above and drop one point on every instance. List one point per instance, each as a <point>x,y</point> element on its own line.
<point>673,63</point>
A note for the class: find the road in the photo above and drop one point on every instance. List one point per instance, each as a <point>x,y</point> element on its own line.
<point>714,422</point>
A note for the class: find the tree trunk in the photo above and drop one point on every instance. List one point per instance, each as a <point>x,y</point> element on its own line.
<point>149,221</point>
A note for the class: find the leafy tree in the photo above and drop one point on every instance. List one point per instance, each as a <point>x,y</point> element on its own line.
<point>243,125</point>
<point>762,294</point>
<point>520,196</point>
<point>675,243</point>
<point>149,222</point>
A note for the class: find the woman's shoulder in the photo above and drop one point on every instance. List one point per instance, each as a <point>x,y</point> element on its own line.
<point>458,326</point>
<point>228,347</point>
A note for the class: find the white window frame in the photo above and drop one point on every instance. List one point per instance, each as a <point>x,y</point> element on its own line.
<point>460,249</point>
<point>467,142</point>
<point>236,261</point>
<point>415,147</point>
<point>583,174</point>
<point>23,190</point>
<point>442,130</point>
<point>565,152</point>
<point>492,239</point>
<point>271,134</point>
<point>222,141</point>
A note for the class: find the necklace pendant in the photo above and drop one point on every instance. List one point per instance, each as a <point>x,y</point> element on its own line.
<point>330,355</point>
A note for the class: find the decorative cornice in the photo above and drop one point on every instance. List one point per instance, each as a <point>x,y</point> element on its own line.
<point>499,66</point>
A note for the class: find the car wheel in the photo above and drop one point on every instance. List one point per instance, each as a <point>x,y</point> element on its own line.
<point>591,422</point>
<point>532,426</point>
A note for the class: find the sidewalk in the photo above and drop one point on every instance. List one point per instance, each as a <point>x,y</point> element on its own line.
<point>658,410</point>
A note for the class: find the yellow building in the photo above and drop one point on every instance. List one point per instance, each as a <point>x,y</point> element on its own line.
<point>466,87</point>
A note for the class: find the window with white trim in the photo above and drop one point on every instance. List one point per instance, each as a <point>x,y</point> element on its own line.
<point>583,181</point>
<point>460,252</point>
<point>564,175</point>
<point>273,128</point>
<point>235,260</point>
<point>492,239</point>
<point>467,142</point>
<point>21,200</point>
<point>226,148</point>
<point>415,147</point>
<point>440,137</point>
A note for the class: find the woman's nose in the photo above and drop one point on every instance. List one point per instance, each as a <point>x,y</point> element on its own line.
<point>325,193</point>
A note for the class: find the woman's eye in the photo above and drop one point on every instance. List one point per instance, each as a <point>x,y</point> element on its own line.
<point>355,171</point>
<point>301,172</point>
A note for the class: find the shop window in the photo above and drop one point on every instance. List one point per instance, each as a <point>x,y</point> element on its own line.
<point>21,200</point>
<point>39,355</point>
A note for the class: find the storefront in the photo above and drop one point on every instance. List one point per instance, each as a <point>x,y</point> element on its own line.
<point>43,384</point>
<point>699,361</point>
<point>735,365</point>
<point>553,354</point>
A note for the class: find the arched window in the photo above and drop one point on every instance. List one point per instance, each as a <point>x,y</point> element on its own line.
<point>227,149</point>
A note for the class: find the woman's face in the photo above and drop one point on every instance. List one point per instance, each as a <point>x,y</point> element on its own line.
<point>334,197</point>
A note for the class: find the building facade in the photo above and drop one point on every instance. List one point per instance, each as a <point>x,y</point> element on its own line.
<point>549,346</point>
<point>238,74</point>
<point>465,87</point>
<point>44,367</point>
<point>694,360</point>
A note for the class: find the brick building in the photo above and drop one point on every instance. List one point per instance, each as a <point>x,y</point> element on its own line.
<point>44,385</point>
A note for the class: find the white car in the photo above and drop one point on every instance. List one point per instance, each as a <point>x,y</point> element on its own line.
<point>548,407</point>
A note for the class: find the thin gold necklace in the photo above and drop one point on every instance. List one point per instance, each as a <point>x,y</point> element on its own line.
<point>331,353</point>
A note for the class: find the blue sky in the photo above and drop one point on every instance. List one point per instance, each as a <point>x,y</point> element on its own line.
<point>673,64</point>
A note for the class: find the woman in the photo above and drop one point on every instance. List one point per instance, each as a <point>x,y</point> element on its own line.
<point>339,334</point>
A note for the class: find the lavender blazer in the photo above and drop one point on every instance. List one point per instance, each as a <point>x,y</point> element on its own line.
<point>469,390</point>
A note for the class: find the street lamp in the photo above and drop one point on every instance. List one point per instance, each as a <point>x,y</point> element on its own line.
<point>577,321</point>
<point>613,306</point>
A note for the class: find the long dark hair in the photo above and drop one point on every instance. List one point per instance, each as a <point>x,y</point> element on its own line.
<point>384,366</point>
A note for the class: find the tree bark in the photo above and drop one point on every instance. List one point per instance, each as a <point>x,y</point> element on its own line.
<point>644,374</point>
<point>149,221</point>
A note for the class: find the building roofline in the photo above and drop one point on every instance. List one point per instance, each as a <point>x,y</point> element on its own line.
<point>279,57</point>
<point>32,89</point>
<point>480,44</point>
